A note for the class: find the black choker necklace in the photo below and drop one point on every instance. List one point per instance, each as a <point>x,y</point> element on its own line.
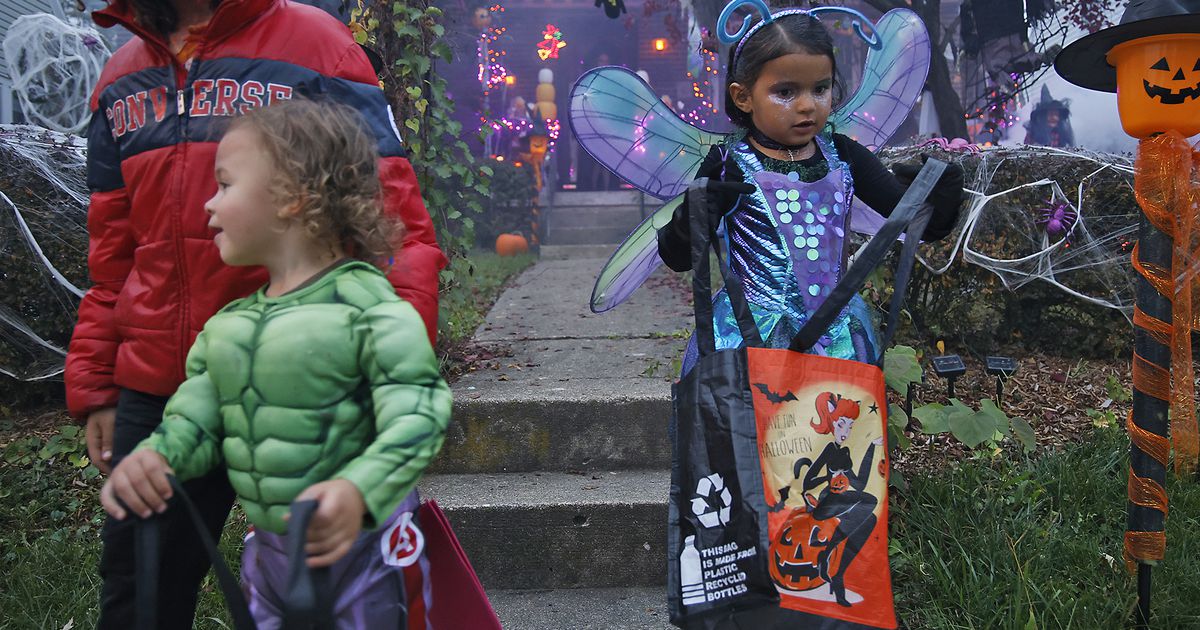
<point>768,143</point>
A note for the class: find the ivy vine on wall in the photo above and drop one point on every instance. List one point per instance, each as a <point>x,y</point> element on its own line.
<point>409,37</point>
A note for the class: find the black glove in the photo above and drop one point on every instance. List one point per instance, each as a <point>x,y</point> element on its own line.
<point>946,196</point>
<point>723,196</point>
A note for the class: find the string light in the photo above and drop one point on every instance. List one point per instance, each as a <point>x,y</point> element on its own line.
<point>701,88</point>
<point>492,72</point>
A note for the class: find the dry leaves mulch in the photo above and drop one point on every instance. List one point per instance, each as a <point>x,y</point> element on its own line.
<point>1054,394</point>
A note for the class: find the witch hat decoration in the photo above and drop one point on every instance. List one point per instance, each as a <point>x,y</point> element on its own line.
<point>1084,62</point>
<point>1047,102</point>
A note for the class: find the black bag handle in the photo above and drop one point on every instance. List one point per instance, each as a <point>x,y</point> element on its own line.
<point>146,541</point>
<point>911,216</point>
<point>308,603</point>
<point>702,240</point>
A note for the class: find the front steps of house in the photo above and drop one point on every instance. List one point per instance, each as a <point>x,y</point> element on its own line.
<point>555,472</point>
<point>596,217</point>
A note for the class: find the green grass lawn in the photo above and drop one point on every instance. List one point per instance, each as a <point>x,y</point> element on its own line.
<point>475,283</point>
<point>1003,544</point>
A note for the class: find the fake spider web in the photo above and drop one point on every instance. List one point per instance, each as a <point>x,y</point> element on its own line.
<point>1011,191</point>
<point>54,67</point>
<point>43,248</point>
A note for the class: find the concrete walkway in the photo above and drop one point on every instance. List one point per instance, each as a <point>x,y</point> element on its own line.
<point>555,470</point>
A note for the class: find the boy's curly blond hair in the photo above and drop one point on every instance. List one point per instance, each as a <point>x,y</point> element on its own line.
<point>325,161</point>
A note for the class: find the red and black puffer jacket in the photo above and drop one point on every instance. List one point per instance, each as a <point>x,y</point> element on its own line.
<point>157,277</point>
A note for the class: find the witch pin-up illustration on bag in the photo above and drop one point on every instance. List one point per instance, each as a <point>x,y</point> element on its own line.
<point>820,536</point>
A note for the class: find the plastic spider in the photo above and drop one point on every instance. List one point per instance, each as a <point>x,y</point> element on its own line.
<point>1058,220</point>
<point>946,144</point>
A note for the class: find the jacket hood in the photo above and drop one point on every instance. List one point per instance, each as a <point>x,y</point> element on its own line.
<point>229,16</point>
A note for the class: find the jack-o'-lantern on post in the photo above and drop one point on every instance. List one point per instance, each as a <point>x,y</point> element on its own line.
<point>1152,61</point>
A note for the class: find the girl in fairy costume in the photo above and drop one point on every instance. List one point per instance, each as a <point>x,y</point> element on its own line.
<point>786,186</point>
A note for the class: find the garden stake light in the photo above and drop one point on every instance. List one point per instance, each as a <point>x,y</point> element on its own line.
<point>1148,61</point>
<point>949,367</point>
<point>1002,368</point>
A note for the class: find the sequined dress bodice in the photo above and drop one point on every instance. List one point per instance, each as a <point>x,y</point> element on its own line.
<point>787,243</point>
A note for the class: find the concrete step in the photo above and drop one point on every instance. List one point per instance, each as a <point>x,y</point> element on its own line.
<point>599,253</point>
<point>577,390</point>
<point>574,424</point>
<point>565,198</point>
<point>582,609</point>
<point>560,234</point>
<point>597,216</point>
<point>559,530</point>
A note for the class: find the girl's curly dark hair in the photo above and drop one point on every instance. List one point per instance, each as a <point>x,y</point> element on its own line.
<point>325,161</point>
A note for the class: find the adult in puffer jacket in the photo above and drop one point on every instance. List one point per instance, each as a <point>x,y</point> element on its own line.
<point>156,122</point>
<point>157,277</point>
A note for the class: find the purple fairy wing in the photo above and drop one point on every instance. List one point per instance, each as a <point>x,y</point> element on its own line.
<point>893,78</point>
<point>633,262</point>
<point>617,118</point>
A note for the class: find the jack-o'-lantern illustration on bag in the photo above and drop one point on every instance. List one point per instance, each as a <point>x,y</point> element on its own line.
<point>795,551</point>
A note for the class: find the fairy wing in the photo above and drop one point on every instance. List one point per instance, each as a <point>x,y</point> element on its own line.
<point>633,262</point>
<point>893,77</point>
<point>619,121</point>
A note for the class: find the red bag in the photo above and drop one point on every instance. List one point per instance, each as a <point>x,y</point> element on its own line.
<point>458,599</point>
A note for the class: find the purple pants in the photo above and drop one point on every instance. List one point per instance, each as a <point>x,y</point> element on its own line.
<point>381,583</point>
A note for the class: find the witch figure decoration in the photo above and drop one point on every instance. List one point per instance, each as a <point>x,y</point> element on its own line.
<point>785,181</point>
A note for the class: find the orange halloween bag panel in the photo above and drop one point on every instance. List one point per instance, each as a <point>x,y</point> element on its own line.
<point>821,441</point>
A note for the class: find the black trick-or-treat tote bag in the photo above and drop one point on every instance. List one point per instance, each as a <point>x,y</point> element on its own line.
<point>778,502</point>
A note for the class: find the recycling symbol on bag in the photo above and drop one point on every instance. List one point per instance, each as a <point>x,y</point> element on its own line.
<point>709,491</point>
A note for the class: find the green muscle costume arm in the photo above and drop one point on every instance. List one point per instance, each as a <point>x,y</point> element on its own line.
<point>191,431</point>
<point>411,403</point>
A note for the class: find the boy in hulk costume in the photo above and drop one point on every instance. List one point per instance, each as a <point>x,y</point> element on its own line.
<point>321,385</point>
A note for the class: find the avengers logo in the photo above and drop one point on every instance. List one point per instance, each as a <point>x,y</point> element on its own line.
<point>402,543</point>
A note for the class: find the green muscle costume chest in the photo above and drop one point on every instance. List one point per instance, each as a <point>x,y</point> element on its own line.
<point>335,379</point>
